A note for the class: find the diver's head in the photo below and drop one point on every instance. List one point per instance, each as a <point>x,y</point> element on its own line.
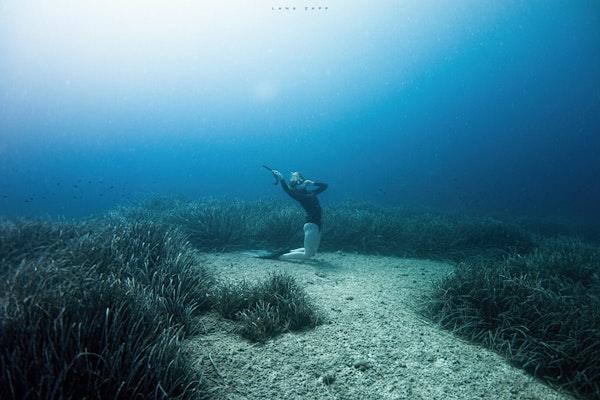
<point>297,181</point>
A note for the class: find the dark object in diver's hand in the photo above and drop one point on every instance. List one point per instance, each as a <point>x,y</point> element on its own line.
<point>271,171</point>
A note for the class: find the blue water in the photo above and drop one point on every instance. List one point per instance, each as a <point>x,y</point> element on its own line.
<point>472,106</point>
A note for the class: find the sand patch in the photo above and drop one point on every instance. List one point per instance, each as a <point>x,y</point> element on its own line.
<point>372,345</point>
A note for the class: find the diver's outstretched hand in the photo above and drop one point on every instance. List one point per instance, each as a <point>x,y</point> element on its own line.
<point>277,175</point>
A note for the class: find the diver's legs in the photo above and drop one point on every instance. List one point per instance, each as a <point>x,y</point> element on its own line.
<point>312,239</point>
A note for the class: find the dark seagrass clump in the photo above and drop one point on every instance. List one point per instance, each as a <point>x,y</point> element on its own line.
<point>216,225</point>
<point>213,224</point>
<point>98,309</point>
<point>267,308</point>
<point>368,228</point>
<point>541,310</point>
<point>30,238</point>
<point>64,333</point>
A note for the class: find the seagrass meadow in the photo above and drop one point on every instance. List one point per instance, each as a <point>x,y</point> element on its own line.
<point>452,145</point>
<point>99,307</point>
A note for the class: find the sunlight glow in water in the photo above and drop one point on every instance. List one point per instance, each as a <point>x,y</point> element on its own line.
<point>188,61</point>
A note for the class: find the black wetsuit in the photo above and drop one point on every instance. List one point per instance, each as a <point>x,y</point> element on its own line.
<point>308,200</point>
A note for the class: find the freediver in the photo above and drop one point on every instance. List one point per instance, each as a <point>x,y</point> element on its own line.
<point>305,192</point>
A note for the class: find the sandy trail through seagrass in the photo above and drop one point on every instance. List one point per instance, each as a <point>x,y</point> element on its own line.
<point>373,345</point>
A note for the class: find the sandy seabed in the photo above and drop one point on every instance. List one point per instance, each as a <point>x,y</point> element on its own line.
<point>373,343</point>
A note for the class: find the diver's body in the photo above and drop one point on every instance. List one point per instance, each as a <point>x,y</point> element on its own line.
<point>298,190</point>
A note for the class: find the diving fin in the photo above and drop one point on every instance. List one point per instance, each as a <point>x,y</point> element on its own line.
<point>264,254</point>
<point>274,256</point>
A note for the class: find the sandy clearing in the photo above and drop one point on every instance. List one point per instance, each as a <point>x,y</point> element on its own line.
<point>373,344</point>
